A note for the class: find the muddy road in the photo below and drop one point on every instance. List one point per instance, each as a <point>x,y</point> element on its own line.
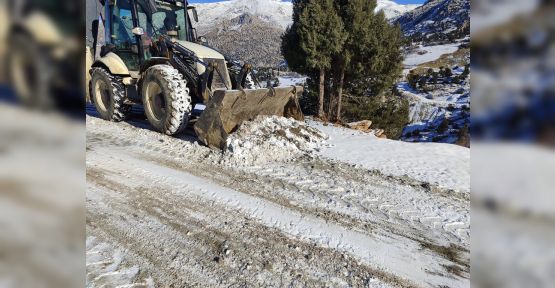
<point>168,212</point>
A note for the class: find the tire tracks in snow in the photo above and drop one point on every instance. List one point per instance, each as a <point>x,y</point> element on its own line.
<point>355,200</point>
<point>187,244</point>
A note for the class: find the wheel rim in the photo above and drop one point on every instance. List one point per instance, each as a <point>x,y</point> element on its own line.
<point>102,94</point>
<point>156,102</point>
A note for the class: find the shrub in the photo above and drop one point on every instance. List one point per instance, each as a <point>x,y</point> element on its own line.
<point>391,115</point>
<point>422,83</point>
<point>447,72</point>
<point>442,128</point>
<point>466,71</point>
<point>463,137</point>
<point>435,77</point>
<point>412,79</point>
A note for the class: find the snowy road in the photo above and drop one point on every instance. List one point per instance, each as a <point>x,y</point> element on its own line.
<point>163,211</point>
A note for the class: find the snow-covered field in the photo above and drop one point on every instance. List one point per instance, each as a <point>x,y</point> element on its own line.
<point>428,53</point>
<point>447,166</point>
<point>170,212</point>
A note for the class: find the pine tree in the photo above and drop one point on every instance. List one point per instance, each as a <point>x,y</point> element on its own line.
<point>295,57</point>
<point>371,60</point>
<point>321,35</point>
<point>314,37</point>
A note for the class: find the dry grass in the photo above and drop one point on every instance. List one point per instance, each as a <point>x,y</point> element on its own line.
<point>452,253</point>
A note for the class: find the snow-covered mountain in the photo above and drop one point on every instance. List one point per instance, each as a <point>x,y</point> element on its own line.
<point>437,20</point>
<point>247,38</point>
<point>250,30</point>
<point>394,10</point>
<point>272,11</point>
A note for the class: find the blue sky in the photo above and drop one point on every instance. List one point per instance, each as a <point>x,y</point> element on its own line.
<point>398,1</point>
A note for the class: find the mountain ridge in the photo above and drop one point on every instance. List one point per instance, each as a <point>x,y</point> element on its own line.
<point>257,41</point>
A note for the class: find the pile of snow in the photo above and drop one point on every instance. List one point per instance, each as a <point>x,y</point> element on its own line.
<point>272,138</point>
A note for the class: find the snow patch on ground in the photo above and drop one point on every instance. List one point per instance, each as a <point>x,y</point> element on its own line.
<point>428,53</point>
<point>272,138</point>
<point>286,81</point>
<point>445,165</point>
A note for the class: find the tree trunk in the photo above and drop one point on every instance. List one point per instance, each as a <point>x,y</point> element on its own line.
<point>330,95</point>
<point>321,95</point>
<point>340,93</point>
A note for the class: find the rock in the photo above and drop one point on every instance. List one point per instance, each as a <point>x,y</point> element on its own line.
<point>378,132</point>
<point>363,125</point>
<point>383,136</point>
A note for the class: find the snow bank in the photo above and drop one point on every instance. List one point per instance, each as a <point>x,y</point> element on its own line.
<point>272,138</point>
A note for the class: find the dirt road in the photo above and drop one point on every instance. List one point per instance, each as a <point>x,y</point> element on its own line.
<point>167,212</point>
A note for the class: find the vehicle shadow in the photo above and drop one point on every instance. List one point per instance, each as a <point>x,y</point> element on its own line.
<point>138,119</point>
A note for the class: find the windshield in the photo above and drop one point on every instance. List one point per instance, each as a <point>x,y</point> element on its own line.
<point>169,19</point>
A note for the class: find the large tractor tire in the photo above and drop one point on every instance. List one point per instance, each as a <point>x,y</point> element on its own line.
<point>29,73</point>
<point>166,99</point>
<point>108,95</point>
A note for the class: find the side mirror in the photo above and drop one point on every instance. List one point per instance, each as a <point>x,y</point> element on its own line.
<point>138,31</point>
<point>202,40</point>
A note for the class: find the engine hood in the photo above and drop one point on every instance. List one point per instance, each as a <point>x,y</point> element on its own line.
<point>201,51</point>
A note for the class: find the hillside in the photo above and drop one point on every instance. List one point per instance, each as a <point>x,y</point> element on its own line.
<point>437,21</point>
<point>250,30</point>
<point>248,38</point>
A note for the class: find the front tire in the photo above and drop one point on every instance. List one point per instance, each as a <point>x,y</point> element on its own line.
<point>108,95</point>
<point>29,72</point>
<point>166,99</point>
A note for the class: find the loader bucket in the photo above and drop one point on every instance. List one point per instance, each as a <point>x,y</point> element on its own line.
<point>227,109</point>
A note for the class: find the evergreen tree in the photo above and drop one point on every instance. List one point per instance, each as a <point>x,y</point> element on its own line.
<point>321,36</point>
<point>368,62</point>
<point>371,60</point>
<point>318,31</point>
<point>294,56</point>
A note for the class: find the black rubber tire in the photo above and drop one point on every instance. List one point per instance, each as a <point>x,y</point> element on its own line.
<point>29,72</point>
<point>170,91</point>
<point>115,110</point>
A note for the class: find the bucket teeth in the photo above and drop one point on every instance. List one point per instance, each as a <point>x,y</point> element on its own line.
<point>229,108</point>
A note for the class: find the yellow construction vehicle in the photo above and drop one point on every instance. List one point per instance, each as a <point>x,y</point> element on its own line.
<point>147,52</point>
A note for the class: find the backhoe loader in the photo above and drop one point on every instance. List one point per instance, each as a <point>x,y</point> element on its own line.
<point>147,52</point>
